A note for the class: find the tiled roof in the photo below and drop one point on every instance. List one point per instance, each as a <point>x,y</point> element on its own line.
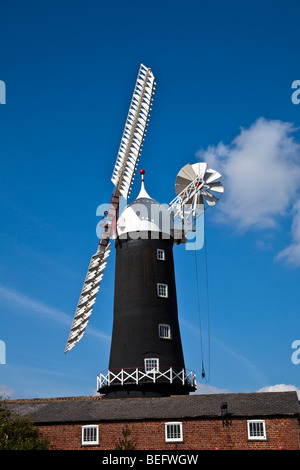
<point>92,409</point>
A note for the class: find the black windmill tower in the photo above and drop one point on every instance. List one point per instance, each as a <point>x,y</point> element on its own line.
<point>146,357</point>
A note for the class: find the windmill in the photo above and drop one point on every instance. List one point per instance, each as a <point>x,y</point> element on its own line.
<point>145,326</point>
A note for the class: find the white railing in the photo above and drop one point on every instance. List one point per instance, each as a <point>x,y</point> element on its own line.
<point>137,376</point>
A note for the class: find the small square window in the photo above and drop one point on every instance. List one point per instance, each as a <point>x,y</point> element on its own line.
<point>256,429</point>
<point>151,364</point>
<point>173,432</point>
<point>161,254</point>
<point>164,331</point>
<point>162,290</point>
<point>89,435</point>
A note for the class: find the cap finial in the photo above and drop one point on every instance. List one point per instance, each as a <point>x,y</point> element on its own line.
<point>142,172</point>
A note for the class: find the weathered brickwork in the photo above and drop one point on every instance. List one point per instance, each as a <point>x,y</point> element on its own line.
<point>198,434</point>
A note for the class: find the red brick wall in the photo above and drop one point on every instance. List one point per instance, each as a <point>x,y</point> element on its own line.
<point>198,434</point>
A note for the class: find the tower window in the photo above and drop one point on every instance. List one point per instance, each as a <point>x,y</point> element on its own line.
<point>151,364</point>
<point>162,290</point>
<point>161,254</point>
<point>164,331</point>
<point>173,432</point>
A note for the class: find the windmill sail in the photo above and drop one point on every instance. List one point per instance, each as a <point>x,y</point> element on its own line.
<point>130,147</point>
<point>134,131</point>
<point>88,296</point>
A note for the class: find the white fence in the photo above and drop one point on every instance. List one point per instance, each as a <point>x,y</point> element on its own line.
<point>138,376</point>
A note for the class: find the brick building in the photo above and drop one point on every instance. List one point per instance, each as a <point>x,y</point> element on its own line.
<point>246,421</point>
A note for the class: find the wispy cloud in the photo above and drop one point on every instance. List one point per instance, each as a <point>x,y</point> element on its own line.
<point>291,254</point>
<point>52,313</point>
<point>6,391</point>
<point>29,303</point>
<point>203,389</point>
<point>261,174</point>
<point>280,388</point>
<point>247,364</point>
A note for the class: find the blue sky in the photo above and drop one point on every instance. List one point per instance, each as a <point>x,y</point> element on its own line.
<point>224,72</point>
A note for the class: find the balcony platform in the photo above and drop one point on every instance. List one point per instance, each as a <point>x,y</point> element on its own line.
<point>135,381</point>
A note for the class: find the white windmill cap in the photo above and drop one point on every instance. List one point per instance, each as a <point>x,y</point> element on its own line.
<point>144,214</point>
